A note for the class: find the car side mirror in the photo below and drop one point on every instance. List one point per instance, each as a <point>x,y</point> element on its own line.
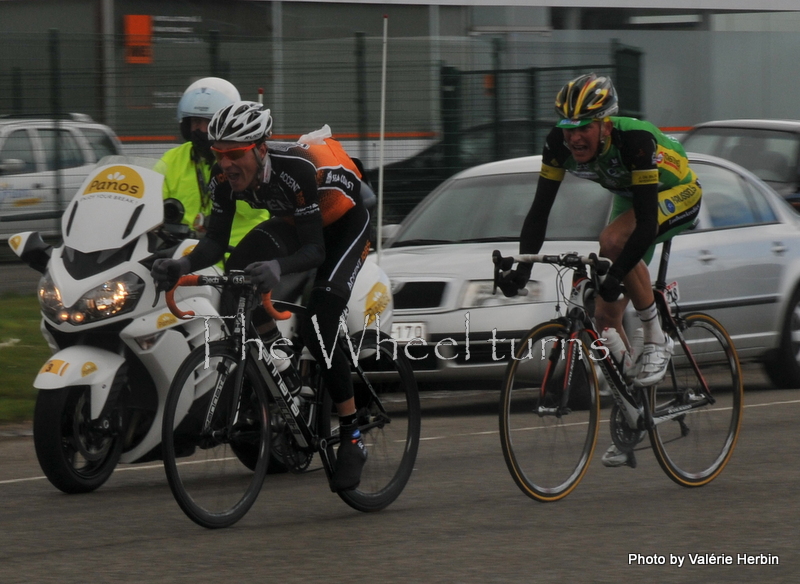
<point>12,166</point>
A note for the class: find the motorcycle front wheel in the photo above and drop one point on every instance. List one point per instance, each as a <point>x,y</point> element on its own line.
<point>75,455</point>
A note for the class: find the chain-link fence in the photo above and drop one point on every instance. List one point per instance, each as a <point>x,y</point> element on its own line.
<point>450,102</point>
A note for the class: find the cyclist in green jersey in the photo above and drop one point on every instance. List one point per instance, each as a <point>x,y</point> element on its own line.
<point>657,195</point>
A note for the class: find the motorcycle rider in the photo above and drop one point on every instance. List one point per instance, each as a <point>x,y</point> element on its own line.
<point>189,165</point>
<point>313,192</point>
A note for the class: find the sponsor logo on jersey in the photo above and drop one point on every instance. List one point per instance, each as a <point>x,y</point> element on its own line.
<point>307,210</point>
<point>333,178</point>
<point>672,161</point>
<point>644,177</point>
<point>667,207</point>
<point>587,174</point>
<point>289,181</point>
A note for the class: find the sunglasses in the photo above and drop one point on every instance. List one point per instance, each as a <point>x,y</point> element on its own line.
<point>231,153</point>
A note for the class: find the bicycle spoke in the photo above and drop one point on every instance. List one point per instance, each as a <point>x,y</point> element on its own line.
<point>215,469</point>
<point>696,439</point>
<point>389,418</point>
<point>548,447</point>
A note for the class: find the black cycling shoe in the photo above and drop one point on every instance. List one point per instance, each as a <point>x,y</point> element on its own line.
<point>350,459</point>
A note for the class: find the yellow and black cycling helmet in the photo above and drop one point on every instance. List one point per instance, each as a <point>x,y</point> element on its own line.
<point>585,99</point>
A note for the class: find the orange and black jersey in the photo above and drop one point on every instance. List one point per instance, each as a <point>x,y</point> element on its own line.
<point>309,185</point>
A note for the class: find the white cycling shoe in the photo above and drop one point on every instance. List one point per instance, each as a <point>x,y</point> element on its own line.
<point>654,361</point>
<point>614,457</point>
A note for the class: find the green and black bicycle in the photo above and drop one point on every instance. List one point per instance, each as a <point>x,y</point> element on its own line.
<point>550,401</point>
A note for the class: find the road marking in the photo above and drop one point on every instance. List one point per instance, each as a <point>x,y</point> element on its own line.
<point>426,439</point>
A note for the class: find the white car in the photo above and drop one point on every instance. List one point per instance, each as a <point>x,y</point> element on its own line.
<point>740,264</point>
<point>34,187</point>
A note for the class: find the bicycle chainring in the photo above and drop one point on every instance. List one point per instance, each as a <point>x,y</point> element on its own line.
<point>624,437</point>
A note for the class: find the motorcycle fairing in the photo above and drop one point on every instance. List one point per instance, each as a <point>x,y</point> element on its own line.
<point>81,365</point>
<point>115,204</point>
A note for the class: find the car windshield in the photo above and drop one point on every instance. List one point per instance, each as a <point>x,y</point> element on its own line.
<point>493,208</point>
<point>769,154</point>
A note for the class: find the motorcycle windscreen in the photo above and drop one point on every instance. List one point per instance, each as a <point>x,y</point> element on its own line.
<point>116,204</point>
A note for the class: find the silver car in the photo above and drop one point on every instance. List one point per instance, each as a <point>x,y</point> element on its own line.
<point>741,264</point>
<point>768,148</point>
<point>42,163</point>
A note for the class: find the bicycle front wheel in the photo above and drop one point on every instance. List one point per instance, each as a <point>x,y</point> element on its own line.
<point>215,461</point>
<point>693,442</point>
<point>548,419</point>
<point>389,417</point>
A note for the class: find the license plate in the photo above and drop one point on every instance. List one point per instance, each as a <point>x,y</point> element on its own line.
<point>405,331</point>
<point>672,293</point>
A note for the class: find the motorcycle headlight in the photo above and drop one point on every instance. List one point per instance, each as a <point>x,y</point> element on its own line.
<point>111,298</point>
<point>478,294</point>
<point>49,297</point>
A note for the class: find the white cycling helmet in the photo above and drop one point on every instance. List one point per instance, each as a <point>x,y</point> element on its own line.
<point>205,97</point>
<point>243,121</point>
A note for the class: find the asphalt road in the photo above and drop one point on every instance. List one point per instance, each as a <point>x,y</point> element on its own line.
<point>460,519</point>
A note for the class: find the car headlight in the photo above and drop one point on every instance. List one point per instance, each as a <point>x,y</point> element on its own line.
<point>478,293</point>
<point>110,298</point>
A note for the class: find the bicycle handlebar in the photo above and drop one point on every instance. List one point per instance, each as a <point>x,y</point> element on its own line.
<point>568,260</point>
<point>502,265</point>
<point>238,279</point>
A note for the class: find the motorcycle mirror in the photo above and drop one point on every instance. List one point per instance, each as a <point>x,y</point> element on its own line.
<point>173,211</point>
<point>31,249</point>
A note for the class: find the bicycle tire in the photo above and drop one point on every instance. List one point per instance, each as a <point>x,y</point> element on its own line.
<point>548,455</point>
<point>392,446</point>
<point>215,478</point>
<point>694,447</point>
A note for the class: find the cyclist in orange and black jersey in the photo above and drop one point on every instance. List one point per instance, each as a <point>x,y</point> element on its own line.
<point>309,188</point>
<point>318,220</point>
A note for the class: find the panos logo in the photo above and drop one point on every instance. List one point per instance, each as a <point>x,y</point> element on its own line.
<point>121,180</point>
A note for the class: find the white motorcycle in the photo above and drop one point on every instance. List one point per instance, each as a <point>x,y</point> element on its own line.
<point>116,345</point>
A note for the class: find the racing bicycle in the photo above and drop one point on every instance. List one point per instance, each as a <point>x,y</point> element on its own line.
<point>550,399</point>
<point>234,403</point>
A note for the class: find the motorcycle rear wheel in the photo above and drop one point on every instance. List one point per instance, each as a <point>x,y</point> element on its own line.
<point>75,456</point>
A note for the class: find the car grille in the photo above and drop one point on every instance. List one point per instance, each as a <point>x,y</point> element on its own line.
<point>419,295</point>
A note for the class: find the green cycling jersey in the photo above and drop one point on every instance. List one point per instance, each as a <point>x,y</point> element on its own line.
<point>629,157</point>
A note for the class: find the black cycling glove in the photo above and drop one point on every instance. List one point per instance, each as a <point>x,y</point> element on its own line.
<point>511,282</point>
<point>264,275</point>
<point>167,271</point>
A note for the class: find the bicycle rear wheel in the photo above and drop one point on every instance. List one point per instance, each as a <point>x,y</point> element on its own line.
<point>694,446</point>
<point>548,447</point>
<point>215,469</point>
<point>390,425</point>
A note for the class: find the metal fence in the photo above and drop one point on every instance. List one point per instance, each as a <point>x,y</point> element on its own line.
<point>439,91</point>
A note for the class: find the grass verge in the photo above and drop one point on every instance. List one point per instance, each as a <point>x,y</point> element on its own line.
<point>23,351</point>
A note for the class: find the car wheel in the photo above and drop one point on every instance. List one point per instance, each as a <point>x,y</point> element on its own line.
<point>784,369</point>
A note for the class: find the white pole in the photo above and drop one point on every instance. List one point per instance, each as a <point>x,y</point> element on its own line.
<point>379,243</point>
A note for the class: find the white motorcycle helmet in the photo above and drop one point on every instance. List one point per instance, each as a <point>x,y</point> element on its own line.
<point>204,98</point>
